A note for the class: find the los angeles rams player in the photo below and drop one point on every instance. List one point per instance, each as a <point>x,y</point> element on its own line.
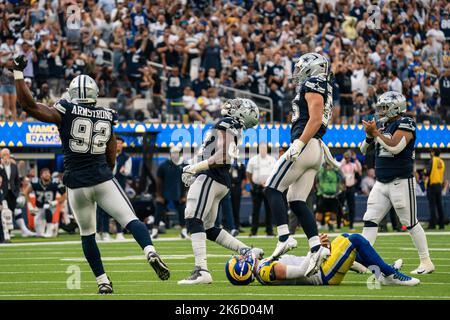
<point>394,169</point>
<point>89,148</point>
<point>298,166</point>
<point>330,269</point>
<point>46,191</point>
<point>209,180</point>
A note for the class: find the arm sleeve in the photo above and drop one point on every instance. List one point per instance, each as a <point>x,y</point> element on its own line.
<point>250,165</point>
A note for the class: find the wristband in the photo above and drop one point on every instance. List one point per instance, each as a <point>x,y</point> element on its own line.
<point>18,75</point>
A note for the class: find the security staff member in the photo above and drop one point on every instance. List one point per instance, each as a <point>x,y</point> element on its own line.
<point>435,173</point>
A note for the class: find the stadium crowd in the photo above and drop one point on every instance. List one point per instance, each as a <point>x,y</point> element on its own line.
<point>248,45</point>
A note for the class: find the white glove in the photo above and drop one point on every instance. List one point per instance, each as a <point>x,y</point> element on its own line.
<point>295,150</point>
<point>47,206</point>
<point>188,176</point>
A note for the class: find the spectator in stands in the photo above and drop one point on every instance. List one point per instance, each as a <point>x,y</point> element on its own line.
<point>259,168</point>
<point>174,93</point>
<point>8,91</point>
<point>444,90</point>
<point>350,167</point>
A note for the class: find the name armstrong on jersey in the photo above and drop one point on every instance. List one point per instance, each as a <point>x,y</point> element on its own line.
<point>88,112</point>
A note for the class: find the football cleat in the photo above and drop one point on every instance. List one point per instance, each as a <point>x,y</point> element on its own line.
<point>316,260</point>
<point>158,265</point>
<point>154,234</point>
<point>119,236</point>
<point>398,264</point>
<point>27,233</point>
<point>398,279</point>
<point>106,237</point>
<point>283,247</point>
<point>359,268</point>
<point>198,276</point>
<point>105,288</point>
<point>184,234</point>
<point>424,268</point>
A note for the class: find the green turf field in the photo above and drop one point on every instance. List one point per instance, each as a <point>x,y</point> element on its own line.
<point>38,269</point>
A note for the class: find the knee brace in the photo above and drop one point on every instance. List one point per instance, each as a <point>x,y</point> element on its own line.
<point>194,225</point>
<point>212,233</point>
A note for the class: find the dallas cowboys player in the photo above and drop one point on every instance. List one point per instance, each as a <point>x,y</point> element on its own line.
<point>46,191</point>
<point>298,166</point>
<point>210,181</point>
<point>394,165</point>
<point>89,148</point>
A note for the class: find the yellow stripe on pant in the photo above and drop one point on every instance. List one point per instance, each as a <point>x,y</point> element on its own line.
<point>343,254</point>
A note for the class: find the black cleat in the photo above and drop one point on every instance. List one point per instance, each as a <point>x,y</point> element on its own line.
<point>105,288</point>
<point>161,269</point>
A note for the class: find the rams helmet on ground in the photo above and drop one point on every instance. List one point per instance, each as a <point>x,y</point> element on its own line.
<point>239,269</point>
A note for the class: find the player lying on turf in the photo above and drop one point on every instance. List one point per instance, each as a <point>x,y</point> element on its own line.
<point>331,268</point>
<point>89,147</point>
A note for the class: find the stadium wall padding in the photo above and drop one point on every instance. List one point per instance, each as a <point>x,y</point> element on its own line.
<point>36,134</point>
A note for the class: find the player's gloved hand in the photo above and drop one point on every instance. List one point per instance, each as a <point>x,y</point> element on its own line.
<point>47,206</point>
<point>34,211</point>
<point>188,176</point>
<point>20,63</point>
<point>295,150</point>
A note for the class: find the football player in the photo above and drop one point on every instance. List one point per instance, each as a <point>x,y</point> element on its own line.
<point>210,181</point>
<point>330,268</point>
<point>89,147</point>
<point>394,170</point>
<point>46,190</point>
<point>297,167</point>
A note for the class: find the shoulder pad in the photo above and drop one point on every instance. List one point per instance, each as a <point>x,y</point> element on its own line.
<point>407,123</point>
<point>228,124</point>
<point>315,84</point>
<point>115,116</point>
<point>62,105</point>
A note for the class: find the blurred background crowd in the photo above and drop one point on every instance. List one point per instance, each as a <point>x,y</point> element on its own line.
<point>183,56</point>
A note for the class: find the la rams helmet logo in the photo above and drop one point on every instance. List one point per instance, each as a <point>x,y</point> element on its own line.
<point>239,271</point>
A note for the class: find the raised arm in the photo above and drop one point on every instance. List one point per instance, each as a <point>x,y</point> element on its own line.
<point>38,111</point>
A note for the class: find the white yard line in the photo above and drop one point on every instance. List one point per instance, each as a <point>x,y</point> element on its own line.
<point>387,234</point>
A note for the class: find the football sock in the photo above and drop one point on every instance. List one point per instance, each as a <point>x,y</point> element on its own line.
<point>140,233</point>
<point>308,222</point>
<point>102,279</point>
<point>314,243</point>
<point>226,240</point>
<point>277,206</point>
<point>370,231</point>
<point>367,256</point>
<point>149,249</point>
<point>92,254</point>
<point>420,242</point>
<point>283,232</point>
<point>199,248</point>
